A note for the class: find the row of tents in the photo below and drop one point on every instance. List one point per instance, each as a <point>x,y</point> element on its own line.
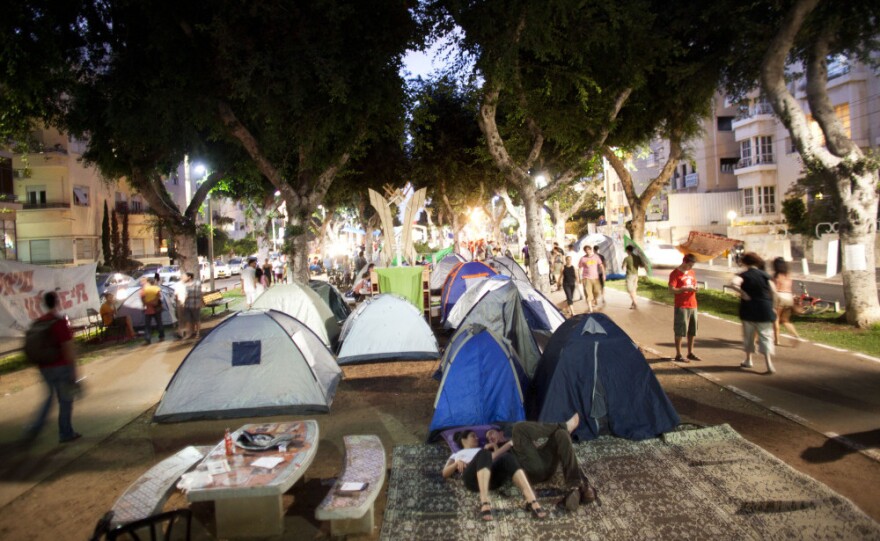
<point>277,358</point>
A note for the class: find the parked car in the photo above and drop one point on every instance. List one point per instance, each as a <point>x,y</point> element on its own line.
<point>663,255</point>
<point>169,273</point>
<point>110,282</point>
<point>221,269</point>
<point>235,265</point>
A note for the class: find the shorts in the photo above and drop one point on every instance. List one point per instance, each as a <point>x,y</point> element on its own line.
<point>764,331</point>
<point>191,315</point>
<point>632,282</point>
<point>685,321</point>
<point>592,289</point>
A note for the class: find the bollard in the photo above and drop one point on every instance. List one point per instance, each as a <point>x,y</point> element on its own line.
<point>729,260</point>
<point>805,266</point>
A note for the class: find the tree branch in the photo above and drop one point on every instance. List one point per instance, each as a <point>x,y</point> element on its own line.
<point>817,95</point>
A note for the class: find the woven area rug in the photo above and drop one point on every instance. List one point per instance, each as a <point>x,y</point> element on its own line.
<point>705,483</point>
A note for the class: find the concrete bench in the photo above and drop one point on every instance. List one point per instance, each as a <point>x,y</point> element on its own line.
<point>351,513</point>
<point>214,299</point>
<point>146,496</point>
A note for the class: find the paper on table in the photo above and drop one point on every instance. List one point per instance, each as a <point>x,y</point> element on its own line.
<point>267,462</point>
<point>352,486</point>
<point>216,467</point>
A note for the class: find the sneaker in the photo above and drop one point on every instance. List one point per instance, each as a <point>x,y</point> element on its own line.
<point>76,436</point>
<point>745,364</point>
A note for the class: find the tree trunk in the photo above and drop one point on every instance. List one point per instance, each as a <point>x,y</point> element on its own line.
<point>298,247</point>
<point>855,174</point>
<point>559,219</point>
<point>535,237</point>
<point>187,251</point>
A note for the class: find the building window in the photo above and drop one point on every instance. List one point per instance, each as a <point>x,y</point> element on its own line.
<point>36,195</point>
<point>40,251</point>
<point>725,123</point>
<point>85,249</point>
<point>792,147</point>
<point>764,149</point>
<point>767,200</point>
<point>137,205</point>
<point>842,113</point>
<point>745,153</point>
<point>81,196</point>
<point>748,201</point>
<point>728,165</point>
<point>137,247</point>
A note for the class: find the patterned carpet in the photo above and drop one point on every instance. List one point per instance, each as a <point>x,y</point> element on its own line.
<point>696,484</point>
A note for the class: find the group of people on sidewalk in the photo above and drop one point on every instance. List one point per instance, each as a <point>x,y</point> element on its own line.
<point>591,270</point>
<point>766,303</point>
<point>256,279</point>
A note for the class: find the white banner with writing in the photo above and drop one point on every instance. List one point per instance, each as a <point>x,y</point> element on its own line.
<point>22,287</point>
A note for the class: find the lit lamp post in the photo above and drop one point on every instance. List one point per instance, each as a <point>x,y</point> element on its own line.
<point>201,169</point>
<point>731,216</point>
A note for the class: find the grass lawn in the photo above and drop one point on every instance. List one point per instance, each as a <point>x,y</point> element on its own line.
<point>828,328</point>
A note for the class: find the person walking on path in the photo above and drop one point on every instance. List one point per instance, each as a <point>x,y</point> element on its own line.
<point>602,273</point>
<point>756,291</point>
<point>683,283</point>
<point>784,300</point>
<point>569,283</point>
<point>631,264</point>
<point>541,462</point>
<point>268,274</point>
<point>151,297</point>
<point>249,282</point>
<point>59,376</point>
<point>591,266</point>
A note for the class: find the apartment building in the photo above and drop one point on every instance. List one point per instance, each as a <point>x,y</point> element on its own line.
<point>738,172</point>
<point>59,206</point>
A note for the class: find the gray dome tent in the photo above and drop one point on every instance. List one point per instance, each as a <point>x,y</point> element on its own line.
<point>132,306</point>
<point>255,363</point>
<point>386,328</point>
<point>334,299</point>
<point>305,305</point>
<point>442,269</point>
<point>507,266</point>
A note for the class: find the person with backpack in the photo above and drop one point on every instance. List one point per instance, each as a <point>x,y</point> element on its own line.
<point>49,345</point>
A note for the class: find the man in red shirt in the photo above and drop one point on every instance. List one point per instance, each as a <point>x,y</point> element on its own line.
<point>60,376</point>
<point>683,283</point>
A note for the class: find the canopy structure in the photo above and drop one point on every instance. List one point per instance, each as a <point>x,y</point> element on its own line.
<point>332,297</point>
<point>133,307</point>
<point>591,367</point>
<point>481,384</point>
<point>706,246</point>
<point>386,328</point>
<point>255,363</point>
<point>305,305</point>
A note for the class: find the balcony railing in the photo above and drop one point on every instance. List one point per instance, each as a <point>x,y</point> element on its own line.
<point>760,159</point>
<point>33,206</point>
<point>51,262</point>
<point>130,209</point>
<point>760,108</point>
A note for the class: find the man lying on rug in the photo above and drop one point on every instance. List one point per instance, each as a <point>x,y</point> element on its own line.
<point>540,463</point>
<point>483,470</point>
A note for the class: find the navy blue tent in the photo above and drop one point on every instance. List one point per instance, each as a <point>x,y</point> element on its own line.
<point>481,382</point>
<point>590,366</point>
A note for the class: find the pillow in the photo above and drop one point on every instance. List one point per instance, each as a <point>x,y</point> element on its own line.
<point>479,429</point>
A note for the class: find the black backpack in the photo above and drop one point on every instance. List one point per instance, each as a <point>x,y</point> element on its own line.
<point>39,345</point>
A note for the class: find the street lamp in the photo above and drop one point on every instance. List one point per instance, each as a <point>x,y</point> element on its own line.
<point>202,170</point>
<point>731,215</point>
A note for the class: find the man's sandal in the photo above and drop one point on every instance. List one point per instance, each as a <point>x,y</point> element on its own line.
<point>486,514</point>
<point>536,510</point>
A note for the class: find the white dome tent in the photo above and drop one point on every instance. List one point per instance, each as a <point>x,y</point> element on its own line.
<point>305,305</point>
<point>255,363</point>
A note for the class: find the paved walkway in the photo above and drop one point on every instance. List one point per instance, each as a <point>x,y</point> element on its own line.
<point>830,390</point>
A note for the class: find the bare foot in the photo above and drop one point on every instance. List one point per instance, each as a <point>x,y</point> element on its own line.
<point>573,423</point>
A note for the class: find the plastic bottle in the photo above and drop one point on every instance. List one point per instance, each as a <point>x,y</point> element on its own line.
<point>227,439</point>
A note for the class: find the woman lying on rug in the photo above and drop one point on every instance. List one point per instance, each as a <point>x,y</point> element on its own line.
<point>483,470</point>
